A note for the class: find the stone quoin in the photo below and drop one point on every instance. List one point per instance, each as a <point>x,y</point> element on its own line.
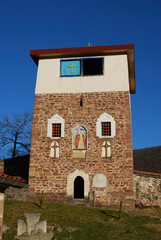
<point>81,145</point>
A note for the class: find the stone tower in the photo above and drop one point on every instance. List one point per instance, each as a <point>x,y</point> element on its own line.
<point>81,145</point>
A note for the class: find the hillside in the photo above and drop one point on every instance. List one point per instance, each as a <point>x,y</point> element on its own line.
<point>148,159</point>
<point>86,223</point>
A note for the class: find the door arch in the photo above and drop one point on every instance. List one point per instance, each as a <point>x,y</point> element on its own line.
<point>70,183</point>
<point>79,187</point>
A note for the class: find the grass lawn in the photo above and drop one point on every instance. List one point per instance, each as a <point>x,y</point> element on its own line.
<point>89,223</point>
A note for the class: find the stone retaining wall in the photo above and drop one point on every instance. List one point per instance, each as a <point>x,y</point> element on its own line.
<point>20,194</point>
<point>147,188</point>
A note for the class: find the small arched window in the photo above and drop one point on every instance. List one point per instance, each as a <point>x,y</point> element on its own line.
<point>105,126</point>
<point>56,126</point>
<point>106,149</point>
<point>54,150</point>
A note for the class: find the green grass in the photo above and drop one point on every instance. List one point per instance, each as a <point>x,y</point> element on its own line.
<point>90,223</point>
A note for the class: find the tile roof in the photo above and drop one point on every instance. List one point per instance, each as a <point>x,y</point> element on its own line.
<point>147,173</point>
<point>14,181</point>
<point>14,178</point>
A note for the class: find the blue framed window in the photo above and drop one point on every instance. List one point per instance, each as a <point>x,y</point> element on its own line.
<point>70,68</point>
<point>81,67</point>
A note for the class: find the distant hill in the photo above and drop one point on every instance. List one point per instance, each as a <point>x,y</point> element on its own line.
<point>148,159</point>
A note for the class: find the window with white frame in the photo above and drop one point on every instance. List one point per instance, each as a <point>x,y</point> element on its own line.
<point>56,126</point>
<point>105,126</point>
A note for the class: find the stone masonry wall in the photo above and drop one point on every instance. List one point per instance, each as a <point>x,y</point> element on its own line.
<point>50,175</point>
<point>147,188</point>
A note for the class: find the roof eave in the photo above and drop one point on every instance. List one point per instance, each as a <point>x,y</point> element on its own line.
<point>5,181</point>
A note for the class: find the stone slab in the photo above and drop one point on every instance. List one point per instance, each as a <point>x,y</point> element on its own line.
<point>41,225</point>
<point>99,180</point>
<point>79,154</point>
<point>22,227</point>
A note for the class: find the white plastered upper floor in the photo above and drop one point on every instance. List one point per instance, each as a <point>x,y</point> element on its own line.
<point>114,78</point>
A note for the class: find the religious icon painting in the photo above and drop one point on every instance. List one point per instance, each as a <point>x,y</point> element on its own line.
<point>79,138</point>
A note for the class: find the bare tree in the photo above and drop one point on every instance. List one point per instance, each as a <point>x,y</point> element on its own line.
<point>15,134</point>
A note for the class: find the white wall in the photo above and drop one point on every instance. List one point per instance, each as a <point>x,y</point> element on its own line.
<point>115,77</point>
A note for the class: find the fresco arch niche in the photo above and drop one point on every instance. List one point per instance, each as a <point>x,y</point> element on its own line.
<point>79,141</point>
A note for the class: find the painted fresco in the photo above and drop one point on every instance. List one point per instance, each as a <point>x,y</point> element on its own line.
<point>79,138</point>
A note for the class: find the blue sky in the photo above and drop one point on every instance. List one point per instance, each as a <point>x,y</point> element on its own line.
<point>42,24</point>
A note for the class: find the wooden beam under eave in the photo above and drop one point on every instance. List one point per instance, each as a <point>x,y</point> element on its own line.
<point>131,65</point>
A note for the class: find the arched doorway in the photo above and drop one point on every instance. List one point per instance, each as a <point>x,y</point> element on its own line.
<point>70,183</point>
<point>79,187</point>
